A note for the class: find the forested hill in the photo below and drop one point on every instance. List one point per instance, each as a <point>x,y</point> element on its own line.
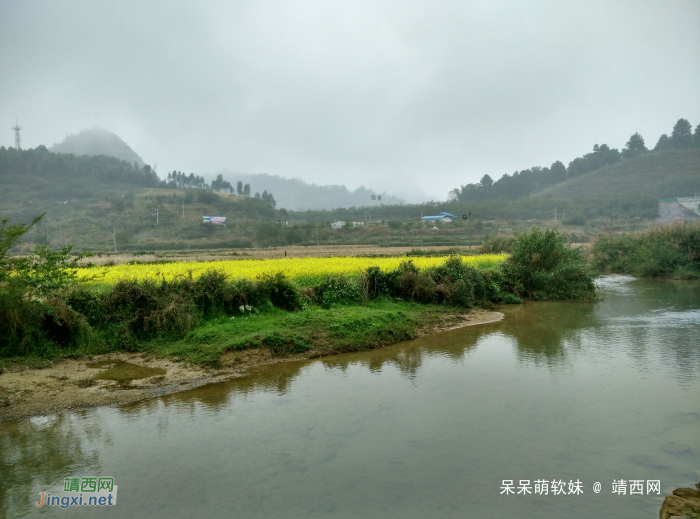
<point>666,174</point>
<point>295,194</point>
<point>670,169</point>
<point>38,174</point>
<point>97,141</point>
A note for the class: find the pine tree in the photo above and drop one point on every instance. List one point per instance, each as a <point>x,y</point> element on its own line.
<point>635,146</point>
<point>664,143</point>
<point>682,135</point>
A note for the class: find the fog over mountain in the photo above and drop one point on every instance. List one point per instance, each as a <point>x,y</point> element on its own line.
<point>294,193</point>
<point>363,93</point>
<point>97,141</point>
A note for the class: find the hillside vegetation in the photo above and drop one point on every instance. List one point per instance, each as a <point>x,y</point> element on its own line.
<point>602,159</point>
<point>102,204</point>
<point>295,194</point>
<point>666,174</point>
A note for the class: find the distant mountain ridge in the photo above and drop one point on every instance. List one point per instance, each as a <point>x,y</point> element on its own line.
<point>97,141</point>
<point>290,193</point>
<point>295,194</point>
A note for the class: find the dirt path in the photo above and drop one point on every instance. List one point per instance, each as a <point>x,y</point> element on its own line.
<point>121,378</point>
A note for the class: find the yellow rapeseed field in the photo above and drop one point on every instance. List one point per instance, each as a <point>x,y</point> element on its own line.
<point>304,271</point>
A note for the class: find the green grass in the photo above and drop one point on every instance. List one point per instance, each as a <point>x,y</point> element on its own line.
<point>313,331</point>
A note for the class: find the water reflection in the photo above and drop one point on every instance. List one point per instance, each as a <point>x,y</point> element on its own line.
<point>410,427</point>
<point>634,316</point>
<point>37,454</point>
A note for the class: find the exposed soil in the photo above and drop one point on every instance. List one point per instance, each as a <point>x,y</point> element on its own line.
<point>120,378</point>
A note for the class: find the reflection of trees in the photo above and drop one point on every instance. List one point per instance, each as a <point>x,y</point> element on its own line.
<point>543,334</point>
<point>36,457</point>
<point>217,395</point>
<point>540,332</point>
<point>544,331</point>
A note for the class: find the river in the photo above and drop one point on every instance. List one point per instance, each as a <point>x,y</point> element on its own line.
<point>427,428</point>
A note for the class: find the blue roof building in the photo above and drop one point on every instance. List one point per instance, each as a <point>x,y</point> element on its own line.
<point>442,217</point>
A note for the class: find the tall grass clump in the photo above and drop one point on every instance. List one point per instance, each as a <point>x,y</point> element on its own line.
<point>453,283</point>
<point>670,251</point>
<point>497,244</point>
<point>132,311</point>
<point>34,318</point>
<point>543,266</point>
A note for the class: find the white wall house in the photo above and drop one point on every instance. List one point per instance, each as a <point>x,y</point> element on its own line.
<point>340,223</point>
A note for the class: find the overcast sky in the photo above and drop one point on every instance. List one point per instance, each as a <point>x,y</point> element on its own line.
<point>399,96</point>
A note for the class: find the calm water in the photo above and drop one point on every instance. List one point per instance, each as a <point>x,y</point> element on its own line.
<point>428,428</point>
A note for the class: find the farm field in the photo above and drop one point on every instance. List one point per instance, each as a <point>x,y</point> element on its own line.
<point>304,271</point>
<point>291,251</point>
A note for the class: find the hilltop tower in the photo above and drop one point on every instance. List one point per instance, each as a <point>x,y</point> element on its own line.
<point>17,128</point>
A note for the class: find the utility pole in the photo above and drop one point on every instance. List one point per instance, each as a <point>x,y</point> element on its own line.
<point>555,214</point>
<point>114,237</point>
<point>155,213</point>
<point>183,206</point>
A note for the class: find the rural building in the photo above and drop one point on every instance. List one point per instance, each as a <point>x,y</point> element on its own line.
<point>340,224</point>
<point>679,209</point>
<point>442,217</point>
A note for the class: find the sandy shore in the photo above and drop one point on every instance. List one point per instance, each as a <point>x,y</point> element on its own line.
<point>74,384</point>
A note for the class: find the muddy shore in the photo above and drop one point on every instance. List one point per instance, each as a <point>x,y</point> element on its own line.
<point>121,378</point>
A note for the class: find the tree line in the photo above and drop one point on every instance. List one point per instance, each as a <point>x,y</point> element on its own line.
<point>521,183</point>
<point>96,170</point>
<point>178,179</point>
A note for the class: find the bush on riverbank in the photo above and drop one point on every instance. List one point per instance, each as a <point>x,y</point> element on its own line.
<point>34,318</point>
<point>543,266</point>
<point>670,251</point>
<point>46,313</point>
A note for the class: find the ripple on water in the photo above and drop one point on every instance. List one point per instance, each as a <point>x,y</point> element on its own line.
<point>660,319</point>
<point>615,283</point>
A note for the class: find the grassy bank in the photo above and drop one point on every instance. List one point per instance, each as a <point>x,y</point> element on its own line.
<point>49,313</point>
<point>314,331</point>
<point>671,251</point>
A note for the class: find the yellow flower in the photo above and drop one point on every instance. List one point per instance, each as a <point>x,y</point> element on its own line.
<point>304,271</point>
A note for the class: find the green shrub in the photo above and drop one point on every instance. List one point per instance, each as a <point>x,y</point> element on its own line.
<point>34,319</point>
<point>452,283</point>
<point>543,266</point>
<point>280,291</point>
<point>671,251</point>
<point>337,290</point>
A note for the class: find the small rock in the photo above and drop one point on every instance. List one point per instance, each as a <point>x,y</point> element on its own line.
<point>680,502</point>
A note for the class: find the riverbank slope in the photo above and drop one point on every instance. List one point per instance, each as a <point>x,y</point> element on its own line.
<point>210,355</point>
